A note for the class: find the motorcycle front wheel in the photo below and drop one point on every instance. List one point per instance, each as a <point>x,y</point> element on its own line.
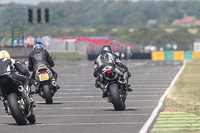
<point>115,97</point>
<point>16,111</point>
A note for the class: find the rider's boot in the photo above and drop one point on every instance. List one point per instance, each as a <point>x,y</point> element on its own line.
<point>5,103</point>
<point>129,88</point>
<point>37,90</point>
<point>125,81</point>
<point>32,102</point>
<point>104,92</point>
<point>98,84</point>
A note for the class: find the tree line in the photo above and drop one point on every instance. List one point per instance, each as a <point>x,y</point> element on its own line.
<point>79,18</point>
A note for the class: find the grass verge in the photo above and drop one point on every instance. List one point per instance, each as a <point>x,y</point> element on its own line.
<point>68,56</point>
<point>185,95</point>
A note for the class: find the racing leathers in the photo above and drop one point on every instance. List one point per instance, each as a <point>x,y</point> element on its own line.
<point>18,72</point>
<point>111,58</point>
<point>38,57</point>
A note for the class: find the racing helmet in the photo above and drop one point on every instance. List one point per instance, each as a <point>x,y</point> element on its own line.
<point>4,54</point>
<point>38,45</point>
<point>105,49</point>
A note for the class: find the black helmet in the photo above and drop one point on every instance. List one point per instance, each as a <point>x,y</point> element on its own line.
<point>38,45</point>
<point>105,49</point>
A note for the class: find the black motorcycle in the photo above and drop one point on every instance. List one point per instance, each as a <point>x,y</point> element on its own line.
<point>46,84</point>
<point>115,88</point>
<point>16,100</point>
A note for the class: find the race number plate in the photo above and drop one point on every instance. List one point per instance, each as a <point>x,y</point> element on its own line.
<point>44,77</point>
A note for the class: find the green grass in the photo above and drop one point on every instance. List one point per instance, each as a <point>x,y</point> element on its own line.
<point>185,95</point>
<point>68,56</point>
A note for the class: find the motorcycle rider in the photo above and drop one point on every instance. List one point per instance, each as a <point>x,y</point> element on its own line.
<point>18,72</point>
<point>39,56</point>
<point>106,53</point>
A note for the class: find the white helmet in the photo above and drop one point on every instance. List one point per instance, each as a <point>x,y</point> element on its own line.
<point>4,54</point>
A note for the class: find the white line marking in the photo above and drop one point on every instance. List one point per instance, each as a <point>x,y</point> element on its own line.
<point>98,90</point>
<point>146,126</point>
<point>92,115</point>
<point>134,79</point>
<point>100,101</point>
<point>71,93</point>
<point>80,108</point>
<point>76,124</point>
<point>99,96</point>
<point>133,85</point>
<point>117,123</point>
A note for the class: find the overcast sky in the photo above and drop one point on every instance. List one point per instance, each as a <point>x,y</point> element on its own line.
<point>35,2</point>
<point>32,2</point>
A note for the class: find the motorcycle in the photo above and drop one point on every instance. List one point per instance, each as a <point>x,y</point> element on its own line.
<point>46,84</point>
<point>16,100</point>
<point>116,91</point>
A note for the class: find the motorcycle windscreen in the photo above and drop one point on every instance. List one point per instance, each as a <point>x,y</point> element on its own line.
<point>44,77</point>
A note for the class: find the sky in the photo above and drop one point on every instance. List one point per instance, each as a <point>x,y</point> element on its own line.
<point>31,2</point>
<point>35,2</point>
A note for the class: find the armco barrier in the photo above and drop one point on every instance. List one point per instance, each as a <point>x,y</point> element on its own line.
<point>158,55</point>
<point>178,55</point>
<point>175,55</point>
<point>20,53</point>
<point>187,54</point>
<point>169,55</point>
<point>145,56</point>
<point>196,55</point>
<point>92,56</point>
<point>141,56</point>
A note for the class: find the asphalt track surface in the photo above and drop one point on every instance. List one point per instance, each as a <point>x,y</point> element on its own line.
<point>79,108</point>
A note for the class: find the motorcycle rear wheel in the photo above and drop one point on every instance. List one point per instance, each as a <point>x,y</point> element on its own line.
<point>116,100</point>
<point>16,111</point>
<point>47,94</point>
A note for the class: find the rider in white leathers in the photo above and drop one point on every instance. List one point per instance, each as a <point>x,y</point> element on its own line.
<point>106,54</point>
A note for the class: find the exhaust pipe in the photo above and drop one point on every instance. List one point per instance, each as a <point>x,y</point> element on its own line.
<point>54,83</point>
<point>24,94</point>
<point>119,72</point>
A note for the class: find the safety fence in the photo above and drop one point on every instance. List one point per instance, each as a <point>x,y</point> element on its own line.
<point>174,55</point>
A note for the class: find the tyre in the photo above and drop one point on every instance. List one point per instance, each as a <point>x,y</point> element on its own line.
<point>16,111</point>
<point>32,118</point>
<point>116,100</point>
<point>47,94</point>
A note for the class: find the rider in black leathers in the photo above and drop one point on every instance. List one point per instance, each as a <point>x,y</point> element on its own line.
<point>106,52</point>
<point>39,56</point>
<point>18,72</point>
